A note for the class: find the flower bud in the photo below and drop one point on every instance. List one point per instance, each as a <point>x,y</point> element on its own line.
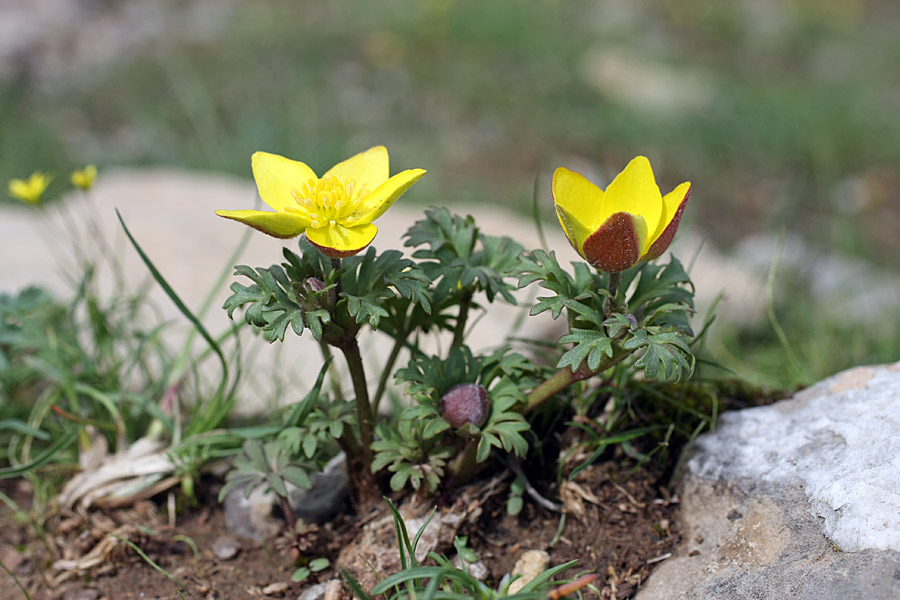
<point>465,403</point>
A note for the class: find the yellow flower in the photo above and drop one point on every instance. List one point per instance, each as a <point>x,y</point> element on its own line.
<point>84,178</point>
<point>30,190</point>
<point>336,211</point>
<point>631,221</point>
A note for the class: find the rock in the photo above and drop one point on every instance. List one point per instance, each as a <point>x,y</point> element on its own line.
<point>328,494</point>
<point>254,517</point>
<point>276,589</point>
<point>848,289</point>
<point>531,564</point>
<point>82,594</point>
<point>313,592</point>
<point>334,590</point>
<point>800,499</point>
<point>374,553</point>
<point>226,547</point>
<point>476,569</point>
<point>251,517</point>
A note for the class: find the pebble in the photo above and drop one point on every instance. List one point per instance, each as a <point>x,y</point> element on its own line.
<point>82,594</point>
<point>226,547</point>
<point>531,564</point>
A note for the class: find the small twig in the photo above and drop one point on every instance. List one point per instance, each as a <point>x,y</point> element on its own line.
<point>659,558</point>
<point>533,493</point>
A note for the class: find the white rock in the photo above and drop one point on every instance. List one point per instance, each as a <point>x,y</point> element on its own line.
<point>800,499</point>
<point>840,440</point>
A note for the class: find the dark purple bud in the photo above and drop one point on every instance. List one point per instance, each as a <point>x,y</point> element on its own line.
<point>465,403</point>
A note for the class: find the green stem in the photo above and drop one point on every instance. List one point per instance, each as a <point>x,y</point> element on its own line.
<point>460,331</point>
<point>338,285</point>
<point>362,480</point>
<point>334,377</point>
<point>565,377</point>
<point>465,465</point>
<point>389,364</point>
<point>611,304</point>
<point>350,349</point>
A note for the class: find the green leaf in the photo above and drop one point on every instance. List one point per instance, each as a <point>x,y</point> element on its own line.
<point>589,344</point>
<point>276,482</point>
<point>319,564</point>
<point>300,574</point>
<point>296,476</point>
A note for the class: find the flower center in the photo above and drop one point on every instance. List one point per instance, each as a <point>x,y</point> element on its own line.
<point>329,201</point>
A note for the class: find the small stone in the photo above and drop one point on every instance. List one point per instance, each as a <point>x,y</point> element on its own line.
<point>82,594</point>
<point>531,564</point>
<point>276,589</point>
<point>334,590</point>
<point>477,569</point>
<point>250,517</point>
<point>313,592</point>
<point>226,547</point>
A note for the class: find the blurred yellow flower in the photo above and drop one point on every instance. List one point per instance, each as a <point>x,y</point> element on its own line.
<point>629,222</point>
<point>30,190</point>
<point>85,177</point>
<point>336,211</point>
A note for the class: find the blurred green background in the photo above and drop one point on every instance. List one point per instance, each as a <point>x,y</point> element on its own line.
<point>784,115</point>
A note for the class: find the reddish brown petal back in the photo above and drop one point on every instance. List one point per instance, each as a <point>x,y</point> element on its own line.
<point>665,238</point>
<point>614,246</point>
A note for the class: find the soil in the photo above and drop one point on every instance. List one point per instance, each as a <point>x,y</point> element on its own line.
<point>616,518</point>
<point>620,523</point>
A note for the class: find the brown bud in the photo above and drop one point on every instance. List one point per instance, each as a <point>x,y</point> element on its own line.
<point>465,403</point>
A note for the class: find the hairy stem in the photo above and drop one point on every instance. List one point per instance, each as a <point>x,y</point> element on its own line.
<point>460,331</point>
<point>611,304</point>
<point>334,377</point>
<point>388,368</point>
<point>360,466</point>
<point>565,377</point>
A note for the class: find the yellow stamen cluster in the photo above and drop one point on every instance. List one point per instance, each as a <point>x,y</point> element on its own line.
<point>328,200</point>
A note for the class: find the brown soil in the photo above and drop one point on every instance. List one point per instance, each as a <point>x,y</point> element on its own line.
<point>619,523</point>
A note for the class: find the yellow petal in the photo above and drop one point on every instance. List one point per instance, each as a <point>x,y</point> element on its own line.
<point>281,224</point>
<point>338,241</point>
<point>634,191</point>
<point>674,203</point>
<point>384,196</point>
<point>576,231</point>
<point>578,196</point>
<point>370,168</point>
<point>276,176</point>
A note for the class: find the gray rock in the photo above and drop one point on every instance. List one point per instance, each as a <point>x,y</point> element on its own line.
<point>226,547</point>
<point>328,494</point>
<point>800,499</point>
<point>82,594</point>
<point>251,516</point>
<point>314,592</point>
<point>254,517</point>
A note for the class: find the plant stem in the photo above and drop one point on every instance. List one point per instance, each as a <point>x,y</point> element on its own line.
<point>333,376</point>
<point>289,517</point>
<point>565,377</point>
<point>611,304</point>
<point>388,368</point>
<point>338,285</point>
<point>367,488</point>
<point>464,305</point>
